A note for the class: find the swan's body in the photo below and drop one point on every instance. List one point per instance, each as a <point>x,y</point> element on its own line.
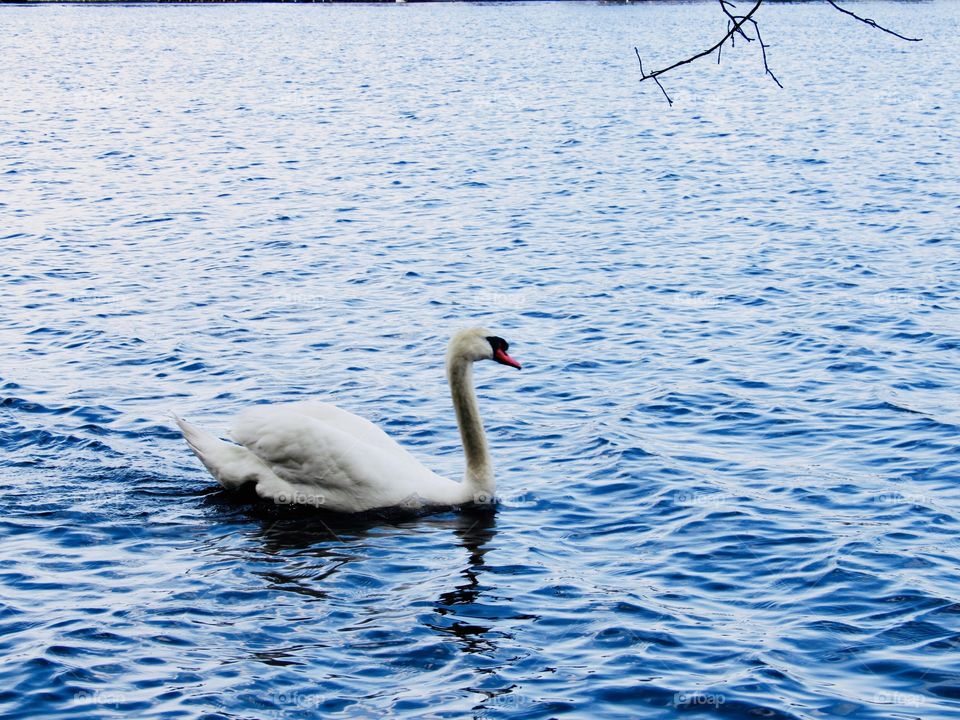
<point>314,453</point>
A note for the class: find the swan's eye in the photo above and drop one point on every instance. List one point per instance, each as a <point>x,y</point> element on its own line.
<point>498,343</point>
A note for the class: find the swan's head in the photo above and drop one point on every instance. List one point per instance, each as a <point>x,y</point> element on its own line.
<point>477,343</point>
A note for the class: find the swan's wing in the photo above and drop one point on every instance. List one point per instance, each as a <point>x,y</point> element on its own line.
<point>353,425</point>
<point>340,460</point>
<point>254,422</point>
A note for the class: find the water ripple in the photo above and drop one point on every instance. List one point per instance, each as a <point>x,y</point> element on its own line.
<point>727,471</point>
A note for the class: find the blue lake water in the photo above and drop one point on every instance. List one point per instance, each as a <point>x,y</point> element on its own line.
<point>728,469</point>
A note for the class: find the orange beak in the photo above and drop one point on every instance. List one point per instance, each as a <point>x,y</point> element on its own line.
<point>501,357</point>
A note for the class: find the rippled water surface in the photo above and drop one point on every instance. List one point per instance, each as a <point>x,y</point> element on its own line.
<point>728,469</point>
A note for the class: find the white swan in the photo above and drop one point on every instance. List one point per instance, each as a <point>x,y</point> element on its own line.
<point>314,453</point>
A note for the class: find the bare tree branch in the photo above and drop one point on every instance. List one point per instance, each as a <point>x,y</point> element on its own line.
<point>731,18</point>
<point>735,26</point>
<point>873,23</point>
<point>733,29</point>
<point>646,77</point>
<point>763,53</point>
<point>724,5</point>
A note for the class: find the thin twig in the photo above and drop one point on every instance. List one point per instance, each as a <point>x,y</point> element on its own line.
<point>724,4</point>
<point>645,77</point>
<point>873,23</point>
<point>763,53</point>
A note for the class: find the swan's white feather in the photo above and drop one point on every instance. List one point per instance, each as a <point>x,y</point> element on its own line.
<point>318,454</point>
<point>326,413</point>
<point>231,465</point>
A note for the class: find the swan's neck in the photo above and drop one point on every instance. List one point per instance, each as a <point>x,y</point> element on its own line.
<point>478,479</point>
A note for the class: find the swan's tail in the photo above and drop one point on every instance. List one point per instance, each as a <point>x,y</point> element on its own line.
<point>231,465</point>
<point>204,445</point>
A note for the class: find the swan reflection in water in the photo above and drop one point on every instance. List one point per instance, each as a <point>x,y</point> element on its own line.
<point>350,587</point>
<point>341,542</point>
<point>474,531</point>
<point>302,551</point>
